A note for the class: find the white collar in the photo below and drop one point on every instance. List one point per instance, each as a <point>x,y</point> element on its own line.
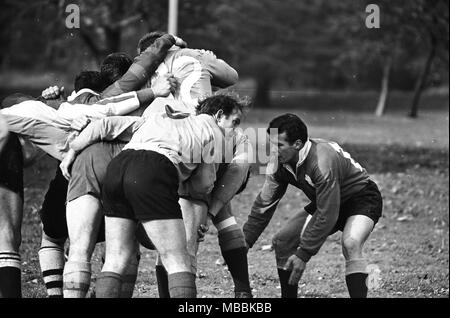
<point>302,154</point>
<point>81,91</point>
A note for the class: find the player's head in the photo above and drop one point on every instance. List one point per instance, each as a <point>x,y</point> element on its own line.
<point>226,109</point>
<point>147,40</point>
<point>288,134</point>
<point>114,66</point>
<point>89,79</point>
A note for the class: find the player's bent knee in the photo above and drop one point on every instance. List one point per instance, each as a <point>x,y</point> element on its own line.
<point>351,246</point>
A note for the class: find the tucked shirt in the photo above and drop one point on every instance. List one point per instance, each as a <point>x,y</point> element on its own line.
<point>327,175</point>
<point>186,141</point>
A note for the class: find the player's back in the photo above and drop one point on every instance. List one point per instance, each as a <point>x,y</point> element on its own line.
<point>195,71</point>
<point>186,141</point>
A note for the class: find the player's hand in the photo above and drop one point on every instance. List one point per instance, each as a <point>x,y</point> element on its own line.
<point>211,53</point>
<point>52,92</point>
<point>297,266</point>
<point>201,232</point>
<point>66,163</point>
<point>179,42</point>
<point>163,85</point>
<point>80,123</point>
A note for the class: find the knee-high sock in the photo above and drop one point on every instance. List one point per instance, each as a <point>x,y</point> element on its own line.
<point>287,291</point>
<point>182,285</point>
<point>51,260</point>
<point>10,284</point>
<point>163,281</point>
<point>77,278</point>
<point>129,278</point>
<point>234,252</point>
<point>356,277</point>
<point>108,285</point>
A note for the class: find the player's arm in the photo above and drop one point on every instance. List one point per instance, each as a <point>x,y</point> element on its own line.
<point>328,199</point>
<point>223,75</point>
<point>263,208</point>
<point>106,129</point>
<point>143,67</point>
<point>112,106</point>
<point>4,132</point>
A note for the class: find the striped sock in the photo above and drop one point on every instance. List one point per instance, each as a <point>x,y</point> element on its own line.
<point>77,278</point>
<point>182,285</point>
<point>10,284</point>
<point>129,278</point>
<point>108,285</point>
<point>51,260</point>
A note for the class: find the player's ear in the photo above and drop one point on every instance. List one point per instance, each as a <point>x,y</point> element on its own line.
<point>298,144</point>
<point>219,114</point>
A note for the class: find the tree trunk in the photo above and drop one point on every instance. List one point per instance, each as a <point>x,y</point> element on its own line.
<point>384,88</point>
<point>262,94</point>
<point>420,84</point>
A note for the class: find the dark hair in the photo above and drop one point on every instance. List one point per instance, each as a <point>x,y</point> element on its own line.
<point>114,66</point>
<point>292,125</point>
<point>89,79</point>
<point>211,105</point>
<point>148,39</point>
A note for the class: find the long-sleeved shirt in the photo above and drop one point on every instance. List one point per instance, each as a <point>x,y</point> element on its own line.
<point>50,130</point>
<point>327,175</point>
<point>67,112</point>
<point>187,141</point>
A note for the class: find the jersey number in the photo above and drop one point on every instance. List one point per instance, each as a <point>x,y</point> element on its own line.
<point>346,155</point>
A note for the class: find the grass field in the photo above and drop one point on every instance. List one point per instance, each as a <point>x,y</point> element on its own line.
<point>409,159</point>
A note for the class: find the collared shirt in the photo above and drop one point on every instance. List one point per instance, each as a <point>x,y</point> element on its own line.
<point>328,176</point>
<point>302,154</point>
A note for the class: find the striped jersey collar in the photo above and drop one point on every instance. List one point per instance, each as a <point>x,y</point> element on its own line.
<point>302,154</point>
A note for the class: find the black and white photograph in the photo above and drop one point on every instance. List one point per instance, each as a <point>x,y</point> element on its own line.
<point>224,149</point>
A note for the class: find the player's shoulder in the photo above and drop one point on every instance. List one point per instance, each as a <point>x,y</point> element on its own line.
<point>322,154</point>
<point>323,148</point>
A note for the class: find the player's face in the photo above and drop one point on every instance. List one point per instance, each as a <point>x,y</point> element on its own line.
<point>284,150</point>
<point>231,122</point>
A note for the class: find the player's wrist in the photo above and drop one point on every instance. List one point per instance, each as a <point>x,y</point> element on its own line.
<point>303,255</point>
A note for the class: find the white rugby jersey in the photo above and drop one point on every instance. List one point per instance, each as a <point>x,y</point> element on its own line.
<point>196,71</point>
<point>67,112</point>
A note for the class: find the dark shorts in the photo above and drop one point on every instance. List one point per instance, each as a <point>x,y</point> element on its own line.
<point>141,185</point>
<point>89,169</point>
<point>11,165</point>
<point>366,202</point>
<point>53,210</point>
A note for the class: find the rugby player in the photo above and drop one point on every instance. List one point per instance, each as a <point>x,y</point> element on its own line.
<point>343,198</point>
<point>11,201</point>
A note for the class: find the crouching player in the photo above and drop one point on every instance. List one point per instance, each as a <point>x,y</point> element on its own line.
<point>343,197</point>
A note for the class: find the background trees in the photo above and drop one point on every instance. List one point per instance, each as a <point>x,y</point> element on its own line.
<point>285,44</point>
